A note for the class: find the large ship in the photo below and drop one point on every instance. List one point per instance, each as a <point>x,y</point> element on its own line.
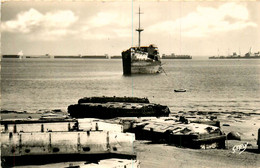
<point>141,59</point>
<point>249,55</point>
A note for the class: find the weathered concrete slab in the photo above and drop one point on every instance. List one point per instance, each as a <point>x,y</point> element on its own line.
<point>173,131</point>
<point>37,127</point>
<point>130,122</point>
<point>97,124</point>
<point>86,124</point>
<point>90,142</point>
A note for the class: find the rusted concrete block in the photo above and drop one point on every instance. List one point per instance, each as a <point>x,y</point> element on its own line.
<point>171,130</point>
<point>89,142</point>
<point>116,109</point>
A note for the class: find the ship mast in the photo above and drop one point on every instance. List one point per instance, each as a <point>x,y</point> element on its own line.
<point>139,29</point>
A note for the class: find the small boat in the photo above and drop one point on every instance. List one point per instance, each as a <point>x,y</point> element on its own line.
<point>179,90</point>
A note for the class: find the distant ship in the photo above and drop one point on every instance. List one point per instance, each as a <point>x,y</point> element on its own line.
<point>141,59</point>
<point>173,56</point>
<point>249,55</point>
<point>20,55</point>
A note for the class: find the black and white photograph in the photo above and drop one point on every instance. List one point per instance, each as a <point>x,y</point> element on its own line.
<point>130,84</point>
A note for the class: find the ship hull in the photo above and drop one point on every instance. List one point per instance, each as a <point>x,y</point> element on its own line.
<point>143,67</point>
<point>136,66</point>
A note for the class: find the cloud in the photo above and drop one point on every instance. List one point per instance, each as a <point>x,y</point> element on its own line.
<point>123,32</point>
<point>207,20</point>
<point>54,25</point>
<point>60,19</point>
<point>45,25</point>
<point>104,33</point>
<point>51,34</point>
<point>24,22</point>
<point>110,18</point>
<point>103,18</point>
<point>106,25</point>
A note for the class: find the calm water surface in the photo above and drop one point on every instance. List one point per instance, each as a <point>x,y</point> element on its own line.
<point>212,85</point>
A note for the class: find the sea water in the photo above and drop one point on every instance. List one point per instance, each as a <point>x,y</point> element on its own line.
<point>211,85</point>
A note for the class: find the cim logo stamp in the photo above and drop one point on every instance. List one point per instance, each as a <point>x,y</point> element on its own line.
<point>240,148</point>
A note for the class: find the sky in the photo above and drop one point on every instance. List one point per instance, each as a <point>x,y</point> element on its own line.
<point>199,28</point>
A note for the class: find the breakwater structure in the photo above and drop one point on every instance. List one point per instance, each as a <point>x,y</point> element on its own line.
<point>173,56</point>
<point>111,107</point>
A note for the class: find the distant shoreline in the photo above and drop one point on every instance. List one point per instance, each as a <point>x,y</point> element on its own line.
<point>65,56</point>
<point>222,57</point>
<point>87,57</point>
